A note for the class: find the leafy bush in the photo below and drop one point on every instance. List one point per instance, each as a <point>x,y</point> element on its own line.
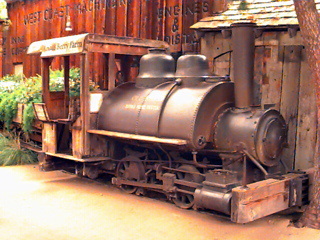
<point>11,152</point>
<point>14,90</point>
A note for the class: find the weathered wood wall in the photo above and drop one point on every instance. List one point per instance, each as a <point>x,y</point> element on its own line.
<point>168,20</point>
<point>282,77</point>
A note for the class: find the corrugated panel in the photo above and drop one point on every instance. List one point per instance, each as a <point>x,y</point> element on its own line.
<point>265,13</point>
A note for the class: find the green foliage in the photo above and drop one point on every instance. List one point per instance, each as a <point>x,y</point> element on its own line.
<point>14,90</point>
<point>28,118</point>
<point>11,152</point>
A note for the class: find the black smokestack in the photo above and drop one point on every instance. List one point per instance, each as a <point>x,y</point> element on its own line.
<point>243,63</point>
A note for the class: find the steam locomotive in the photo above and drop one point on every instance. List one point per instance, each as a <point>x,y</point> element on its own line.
<point>196,137</point>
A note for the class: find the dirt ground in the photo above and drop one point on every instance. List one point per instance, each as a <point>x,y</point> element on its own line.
<point>55,205</point>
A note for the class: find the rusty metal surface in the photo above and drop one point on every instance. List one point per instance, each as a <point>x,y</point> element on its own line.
<point>212,199</point>
<point>265,13</point>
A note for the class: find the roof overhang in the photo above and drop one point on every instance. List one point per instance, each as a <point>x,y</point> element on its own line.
<point>94,43</point>
<point>266,14</point>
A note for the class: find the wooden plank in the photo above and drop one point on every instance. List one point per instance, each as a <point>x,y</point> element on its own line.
<point>286,40</point>
<point>307,119</point>
<point>121,18</point>
<point>173,24</point>
<point>133,20</point>
<point>148,19</point>
<point>159,30</point>
<point>49,138</point>
<point>290,99</point>
<point>99,16</point>
<point>270,69</point>
<point>222,65</point>
<point>272,77</point>
<point>188,18</point>
<point>207,48</point>
<point>249,204</point>
<point>110,25</point>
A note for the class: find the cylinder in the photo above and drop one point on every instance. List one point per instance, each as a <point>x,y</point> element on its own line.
<point>214,200</point>
<point>243,63</point>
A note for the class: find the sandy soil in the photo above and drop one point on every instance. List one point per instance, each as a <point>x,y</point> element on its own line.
<point>55,205</point>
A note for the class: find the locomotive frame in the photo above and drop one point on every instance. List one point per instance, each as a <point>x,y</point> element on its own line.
<point>194,183</point>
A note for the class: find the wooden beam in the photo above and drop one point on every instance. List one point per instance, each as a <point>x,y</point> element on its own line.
<point>117,49</point>
<point>259,199</point>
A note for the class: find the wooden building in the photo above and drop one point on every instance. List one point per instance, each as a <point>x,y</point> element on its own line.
<point>282,76</point>
<point>34,20</point>
<point>281,72</point>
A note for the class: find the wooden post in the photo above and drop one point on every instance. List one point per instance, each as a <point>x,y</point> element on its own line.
<point>45,64</point>
<point>66,84</point>
<point>111,71</point>
<point>84,104</point>
<point>290,99</point>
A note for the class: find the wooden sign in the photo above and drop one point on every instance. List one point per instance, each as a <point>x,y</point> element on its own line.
<point>59,46</point>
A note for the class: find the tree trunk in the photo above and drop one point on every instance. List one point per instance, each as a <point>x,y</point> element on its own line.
<point>309,22</point>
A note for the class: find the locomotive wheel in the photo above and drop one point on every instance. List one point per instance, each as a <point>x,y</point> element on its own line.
<point>130,168</point>
<point>184,200</point>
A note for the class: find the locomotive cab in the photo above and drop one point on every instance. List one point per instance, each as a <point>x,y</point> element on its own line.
<point>66,120</point>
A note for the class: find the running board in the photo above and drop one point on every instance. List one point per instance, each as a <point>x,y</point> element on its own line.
<point>179,142</point>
